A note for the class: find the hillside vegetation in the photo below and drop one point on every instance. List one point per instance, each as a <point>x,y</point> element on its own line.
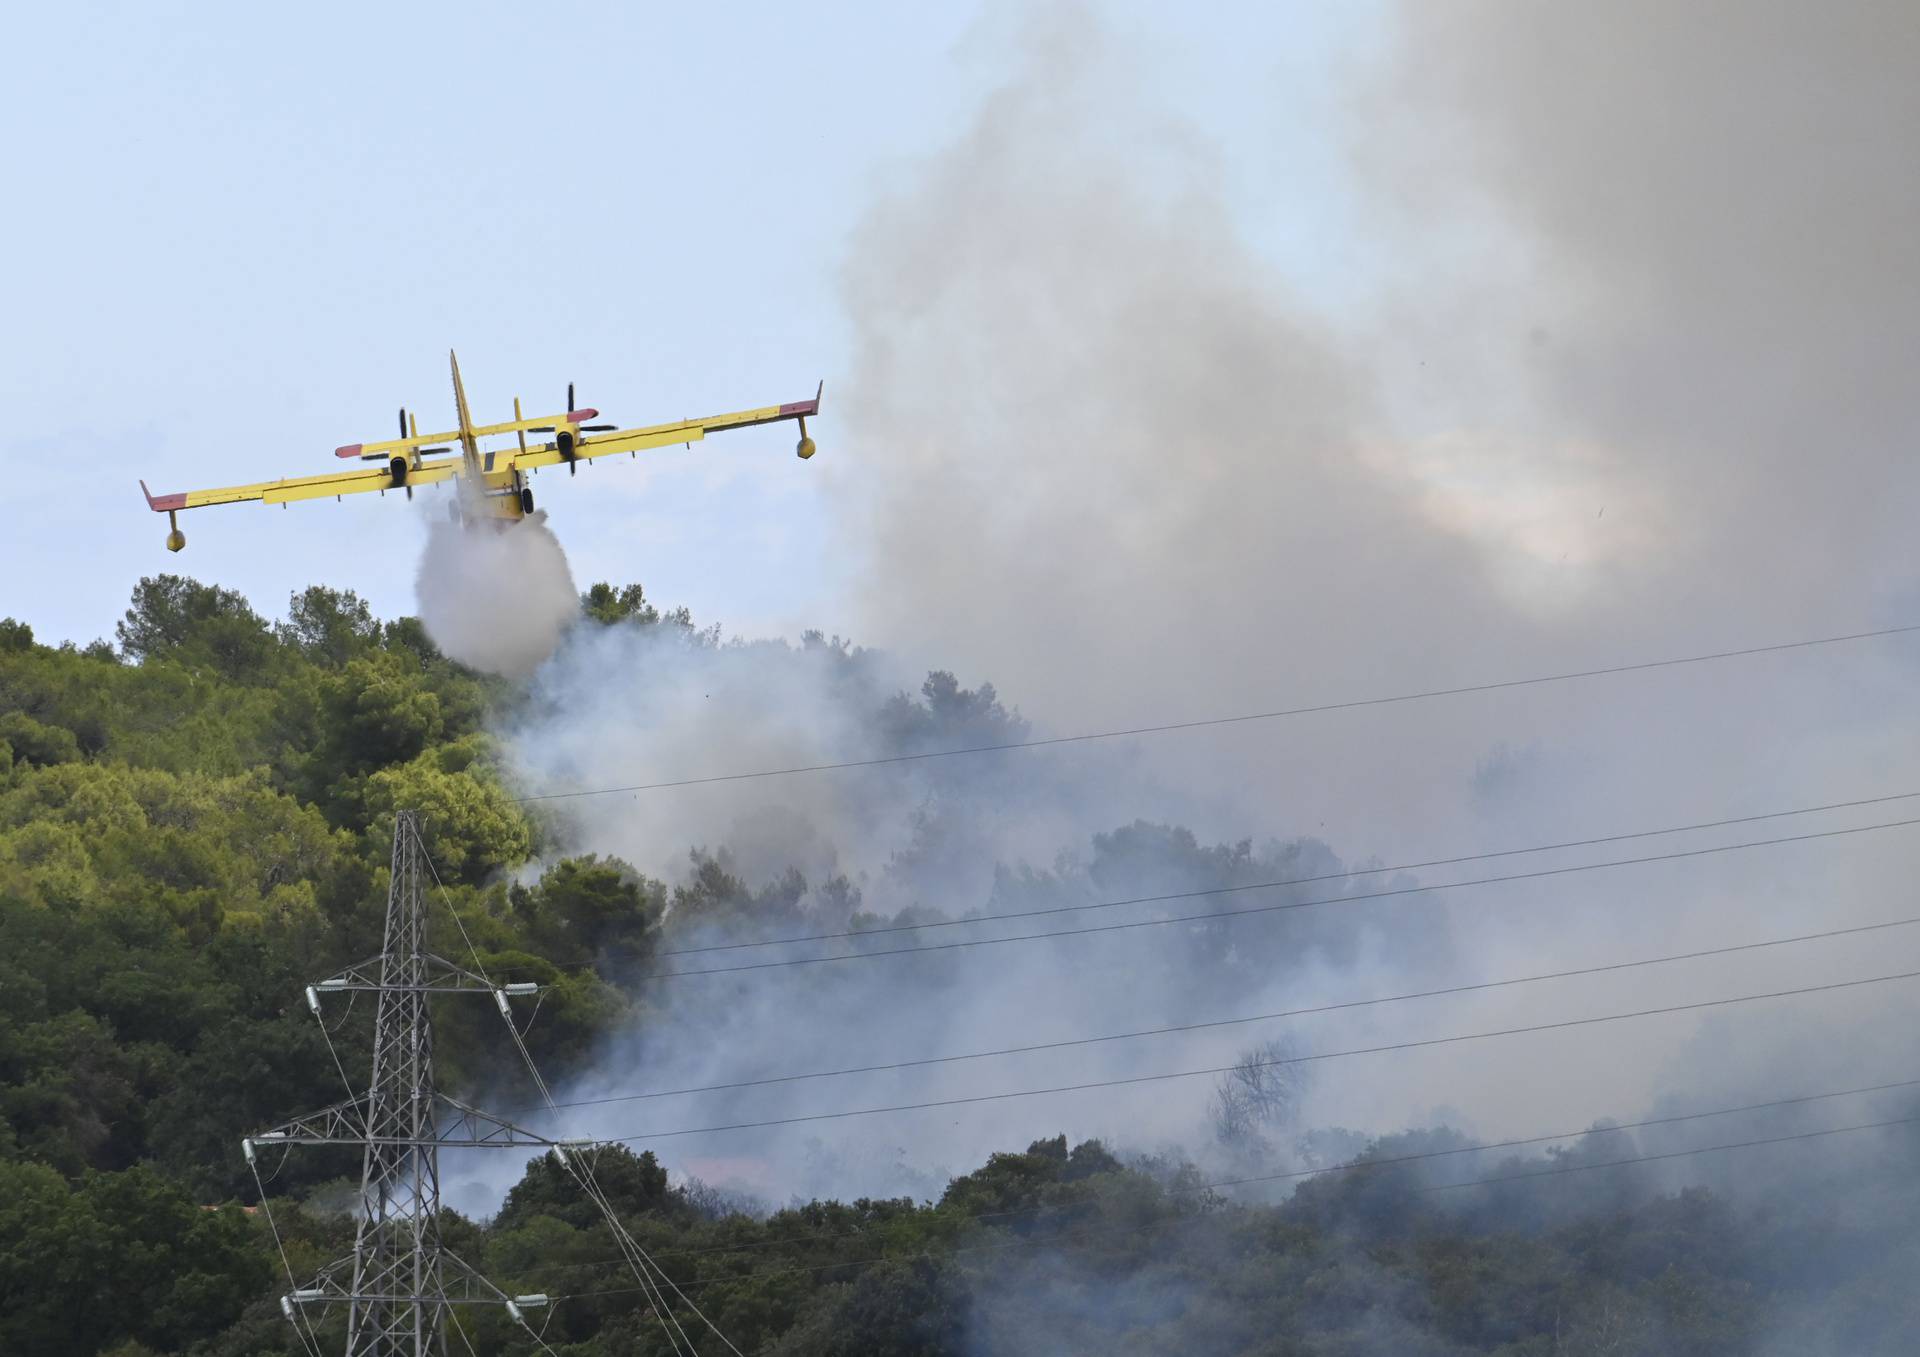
<point>195,822</point>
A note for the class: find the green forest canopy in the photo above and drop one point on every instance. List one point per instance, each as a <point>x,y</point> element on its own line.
<point>195,822</point>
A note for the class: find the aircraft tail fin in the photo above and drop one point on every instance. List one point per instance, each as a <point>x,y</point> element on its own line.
<point>469,445</point>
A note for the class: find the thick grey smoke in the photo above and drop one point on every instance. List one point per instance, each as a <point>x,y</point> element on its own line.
<point>1627,377</point>
<point>1705,287</point>
<point>1625,381</point>
<point>926,840</point>
<point>496,595</point>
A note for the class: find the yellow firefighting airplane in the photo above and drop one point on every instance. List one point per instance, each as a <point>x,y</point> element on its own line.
<point>497,481</point>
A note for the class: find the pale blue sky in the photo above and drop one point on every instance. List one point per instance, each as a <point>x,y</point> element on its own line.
<point>240,235</point>
<point>245,234</point>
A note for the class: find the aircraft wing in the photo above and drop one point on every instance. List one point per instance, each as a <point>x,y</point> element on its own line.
<point>300,487</point>
<point>665,435</point>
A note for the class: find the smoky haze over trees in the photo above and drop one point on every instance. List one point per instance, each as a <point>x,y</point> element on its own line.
<point>187,838</point>
<point>1176,476</point>
<point>1607,361</point>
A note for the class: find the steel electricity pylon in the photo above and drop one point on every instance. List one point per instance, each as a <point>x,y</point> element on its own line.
<point>398,1284</point>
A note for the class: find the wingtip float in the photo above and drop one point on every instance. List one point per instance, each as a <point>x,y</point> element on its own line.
<point>496,479</point>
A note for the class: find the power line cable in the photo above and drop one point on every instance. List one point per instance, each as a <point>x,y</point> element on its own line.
<point>302,1326</point>
<point>645,1270</point>
<point>582,1169</point>
<point>453,1317</point>
<point>1365,1162</point>
<point>1672,1154</point>
<point>1163,728</point>
<point>1053,1240</point>
<point>1229,914</point>
<point>1250,1018</point>
<point>1419,1044</point>
<point>1298,880</point>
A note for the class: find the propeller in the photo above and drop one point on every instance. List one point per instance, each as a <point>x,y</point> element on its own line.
<point>401,462</point>
<point>566,440</point>
<point>573,466</point>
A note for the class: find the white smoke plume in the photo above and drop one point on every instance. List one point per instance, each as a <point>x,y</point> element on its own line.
<point>497,596</point>
<point>1658,408</point>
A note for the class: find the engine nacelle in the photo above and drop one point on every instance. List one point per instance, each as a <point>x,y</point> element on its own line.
<point>397,468</point>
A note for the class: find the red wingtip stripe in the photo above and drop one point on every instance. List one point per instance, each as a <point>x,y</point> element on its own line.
<point>350,450</point>
<point>801,407</point>
<point>581,416</point>
<point>161,503</point>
